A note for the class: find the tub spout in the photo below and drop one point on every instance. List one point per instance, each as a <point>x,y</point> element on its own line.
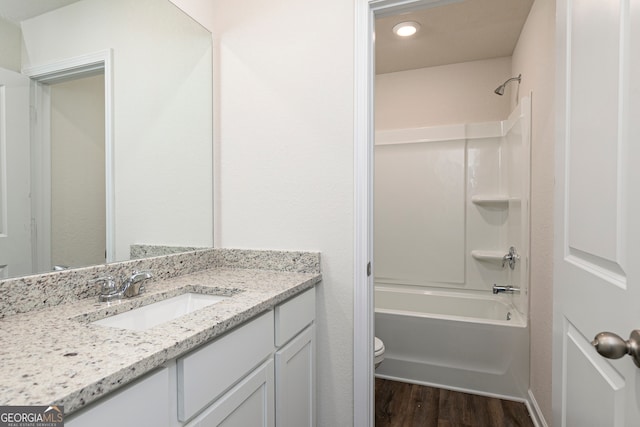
<point>507,288</point>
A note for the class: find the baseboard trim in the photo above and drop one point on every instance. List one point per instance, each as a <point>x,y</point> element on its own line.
<point>534,411</point>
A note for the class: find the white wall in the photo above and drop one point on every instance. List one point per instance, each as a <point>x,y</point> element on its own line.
<point>286,157</point>
<point>534,58</point>
<point>9,45</point>
<point>78,223</point>
<point>162,111</point>
<point>449,94</point>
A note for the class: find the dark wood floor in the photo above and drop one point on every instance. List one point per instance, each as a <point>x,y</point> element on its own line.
<point>409,405</point>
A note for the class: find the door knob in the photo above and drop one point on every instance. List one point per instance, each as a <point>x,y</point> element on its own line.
<point>612,346</point>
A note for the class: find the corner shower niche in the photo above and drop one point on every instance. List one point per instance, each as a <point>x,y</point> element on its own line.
<point>449,203</point>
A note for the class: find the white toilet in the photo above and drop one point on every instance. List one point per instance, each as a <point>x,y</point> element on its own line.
<point>378,352</point>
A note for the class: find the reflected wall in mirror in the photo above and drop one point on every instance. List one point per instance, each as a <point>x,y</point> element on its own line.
<point>147,165</point>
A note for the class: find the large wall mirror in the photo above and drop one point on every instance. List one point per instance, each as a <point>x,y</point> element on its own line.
<point>105,133</point>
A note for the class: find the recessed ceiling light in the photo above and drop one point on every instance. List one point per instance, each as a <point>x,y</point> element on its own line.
<point>406,29</point>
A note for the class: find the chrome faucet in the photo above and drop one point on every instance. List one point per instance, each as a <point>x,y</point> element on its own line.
<point>497,289</point>
<point>131,286</point>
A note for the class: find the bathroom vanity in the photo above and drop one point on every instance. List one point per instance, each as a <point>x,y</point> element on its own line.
<point>237,378</point>
<point>245,360</point>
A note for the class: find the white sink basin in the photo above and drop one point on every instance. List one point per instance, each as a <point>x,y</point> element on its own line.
<point>148,316</point>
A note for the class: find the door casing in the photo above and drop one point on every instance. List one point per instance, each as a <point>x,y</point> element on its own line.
<point>363,337</point>
<point>42,76</point>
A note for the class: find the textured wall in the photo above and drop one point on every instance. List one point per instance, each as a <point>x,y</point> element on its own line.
<point>534,58</point>
<point>450,94</point>
<point>9,45</point>
<point>285,165</point>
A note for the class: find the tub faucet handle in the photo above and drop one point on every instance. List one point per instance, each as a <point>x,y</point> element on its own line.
<point>510,258</point>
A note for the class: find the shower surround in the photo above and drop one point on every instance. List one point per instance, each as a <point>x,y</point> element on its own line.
<point>449,203</point>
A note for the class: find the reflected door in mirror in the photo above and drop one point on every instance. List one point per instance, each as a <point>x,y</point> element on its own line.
<point>78,224</point>
<point>15,205</point>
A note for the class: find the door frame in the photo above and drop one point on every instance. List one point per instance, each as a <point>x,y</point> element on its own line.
<point>15,209</point>
<point>366,12</point>
<point>42,76</point>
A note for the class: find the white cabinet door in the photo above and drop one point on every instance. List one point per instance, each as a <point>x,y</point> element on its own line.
<point>206,373</point>
<point>295,381</point>
<point>248,404</point>
<point>146,402</point>
<point>597,273</point>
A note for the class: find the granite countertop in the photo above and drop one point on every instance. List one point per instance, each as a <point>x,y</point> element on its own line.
<point>56,356</point>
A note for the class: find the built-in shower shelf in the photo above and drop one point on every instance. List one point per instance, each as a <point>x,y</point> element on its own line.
<point>489,256</point>
<point>493,200</point>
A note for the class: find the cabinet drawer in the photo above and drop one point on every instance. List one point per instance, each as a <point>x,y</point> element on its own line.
<point>206,373</point>
<point>294,315</point>
<point>145,402</point>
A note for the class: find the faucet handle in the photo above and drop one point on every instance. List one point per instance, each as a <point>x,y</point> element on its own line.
<point>139,274</point>
<point>510,258</point>
<point>133,285</point>
<point>107,285</point>
<point>147,273</point>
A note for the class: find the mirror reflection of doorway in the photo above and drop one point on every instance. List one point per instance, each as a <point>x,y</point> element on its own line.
<point>15,209</point>
<point>78,211</point>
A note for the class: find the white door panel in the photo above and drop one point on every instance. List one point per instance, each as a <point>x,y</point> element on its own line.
<point>597,259</point>
<point>15,204</point>
<point>594,134</point>
<point>599,404</point>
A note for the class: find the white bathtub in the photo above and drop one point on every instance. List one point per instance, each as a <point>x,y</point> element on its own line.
<point>452,340</point>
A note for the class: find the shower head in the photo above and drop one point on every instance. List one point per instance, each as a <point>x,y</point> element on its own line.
<point>500,89</point>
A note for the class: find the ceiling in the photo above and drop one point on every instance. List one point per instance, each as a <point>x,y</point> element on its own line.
<point>459,32</point>
<point>19,10</point>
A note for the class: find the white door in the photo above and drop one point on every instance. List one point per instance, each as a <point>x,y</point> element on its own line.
<point>15,204</point>
<point>597,259</point>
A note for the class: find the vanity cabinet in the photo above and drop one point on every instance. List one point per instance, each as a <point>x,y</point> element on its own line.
<point>249,403</point>
<point>280,393</point>
<point>260,374</point>
<point>145,402</point>
<point>295,361</point>
<point>206,373</point>
<point>295,381</point>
